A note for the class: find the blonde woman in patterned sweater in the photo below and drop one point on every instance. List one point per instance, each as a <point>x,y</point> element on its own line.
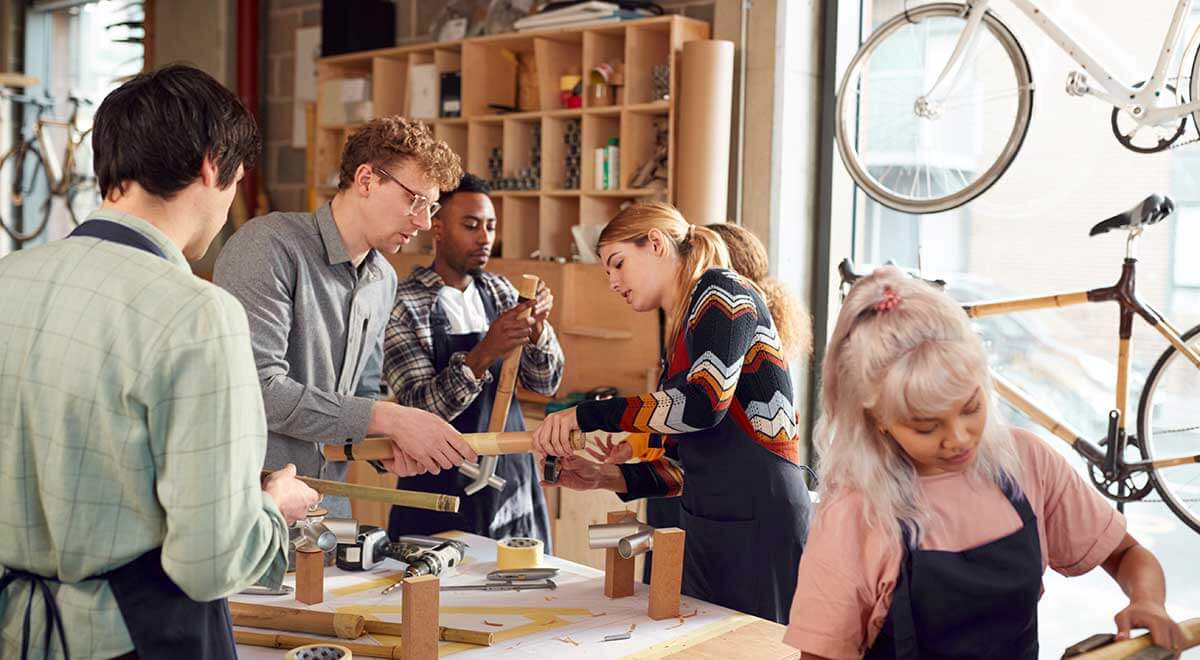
<point>725,398</point>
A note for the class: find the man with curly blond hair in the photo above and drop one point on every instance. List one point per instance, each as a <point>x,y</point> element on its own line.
<point>318,294</point>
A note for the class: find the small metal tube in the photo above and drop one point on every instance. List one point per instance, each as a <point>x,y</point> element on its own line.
<point>608,536</point>
<point>345,529</point>
<point>635,544</point>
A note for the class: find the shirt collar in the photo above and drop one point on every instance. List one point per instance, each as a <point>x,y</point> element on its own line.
<point>168,247</point>
<point>335,249</point>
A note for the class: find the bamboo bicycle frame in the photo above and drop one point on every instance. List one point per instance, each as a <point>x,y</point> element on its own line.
<point>1124,294</point>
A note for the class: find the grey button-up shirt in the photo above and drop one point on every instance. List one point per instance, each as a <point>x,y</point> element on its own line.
<point>316,325</point>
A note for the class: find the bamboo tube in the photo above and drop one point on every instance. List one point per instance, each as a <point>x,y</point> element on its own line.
<point>331,624</point>
<point>484,444</point>
<point>507,382</point>
<point>1126,648</point>
<point>409,498</point>
<point>274,641</point>
<point>476,637</point>
<point>346,626</point>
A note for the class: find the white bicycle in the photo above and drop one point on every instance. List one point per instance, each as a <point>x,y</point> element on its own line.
<point>936,103</point>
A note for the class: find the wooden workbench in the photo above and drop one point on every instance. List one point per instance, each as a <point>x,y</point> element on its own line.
<point>569,622</point>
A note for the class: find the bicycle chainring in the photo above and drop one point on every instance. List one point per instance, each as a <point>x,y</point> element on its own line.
<point>1127,141</point>
<point>1132,487</point>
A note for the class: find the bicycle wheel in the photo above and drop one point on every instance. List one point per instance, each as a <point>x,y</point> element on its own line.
<point>920,155</point>
<point>1169,426</point>
<point>83,191</point>
<point>27,186</point>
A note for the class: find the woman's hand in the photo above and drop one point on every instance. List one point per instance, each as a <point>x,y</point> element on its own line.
<point>608,451</point>
<point>578,473</point>
<point>1153,617</point>
<point>553,437</point>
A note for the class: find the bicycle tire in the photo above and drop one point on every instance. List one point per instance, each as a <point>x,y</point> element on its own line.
<point>848,137</point>
<point>1167,487</point>
<point>82,180</point>
<point>20,190</point>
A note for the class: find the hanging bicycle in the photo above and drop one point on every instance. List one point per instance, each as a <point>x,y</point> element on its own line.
<point>936,103</point>
<point>32,173</point>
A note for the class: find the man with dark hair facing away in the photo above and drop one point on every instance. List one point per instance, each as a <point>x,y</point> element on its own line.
<point>451,327</point>
<point>318,293</point>
<point>133,429</point>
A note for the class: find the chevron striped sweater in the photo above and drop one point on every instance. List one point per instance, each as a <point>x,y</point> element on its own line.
<point>725,372</point>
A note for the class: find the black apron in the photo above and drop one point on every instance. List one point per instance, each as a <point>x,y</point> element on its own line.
<point>746,513</point>
<point>162,621</point>
<point>977,603</point>
<point>521,505</point>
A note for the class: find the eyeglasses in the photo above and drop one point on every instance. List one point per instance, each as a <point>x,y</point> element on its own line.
<point>419,202</point>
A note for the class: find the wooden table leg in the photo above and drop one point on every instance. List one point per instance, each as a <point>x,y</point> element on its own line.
<point>666,573</point>
<point>419,618</point>
<point>618,571</point>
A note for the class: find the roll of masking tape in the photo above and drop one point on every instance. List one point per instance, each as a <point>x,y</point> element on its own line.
<point>518,552</point>
<point>319,652</point>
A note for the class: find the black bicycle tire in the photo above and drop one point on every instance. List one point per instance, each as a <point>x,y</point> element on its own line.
<point>1143,408</point>
<point>23,151</point>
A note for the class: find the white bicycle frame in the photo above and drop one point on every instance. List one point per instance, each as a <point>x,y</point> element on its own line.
<point>1137,101</point>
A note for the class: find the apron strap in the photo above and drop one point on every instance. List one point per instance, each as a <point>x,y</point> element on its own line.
<point>54,622</point>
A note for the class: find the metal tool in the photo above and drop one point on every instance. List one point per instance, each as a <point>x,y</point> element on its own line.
<point>617,637</point>
<point>260,590</point>
<point>365,551</point>
<point>423,560</point>
<point>507,585</point>
<point>522,574</point>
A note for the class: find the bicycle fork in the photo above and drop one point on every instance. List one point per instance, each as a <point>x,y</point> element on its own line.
<point>927,104</point>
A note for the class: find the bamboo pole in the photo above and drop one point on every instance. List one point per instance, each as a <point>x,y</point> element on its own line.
<point>409,498</point>
<point>337,624</point>
<point>1126,648</point>
<point>277,641</point>
<point>484,444</point>
<point>506,384</point>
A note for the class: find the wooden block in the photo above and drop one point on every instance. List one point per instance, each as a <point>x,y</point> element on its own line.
<point>618,571</point>
<point>666,573</point>
<point>419,618</point>
<point>310,577</point>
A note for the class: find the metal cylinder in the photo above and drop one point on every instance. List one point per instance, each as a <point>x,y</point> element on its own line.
<point>306,534</point>
<point>345,529</point>
<point>635,544</point>
<point>608,536</point>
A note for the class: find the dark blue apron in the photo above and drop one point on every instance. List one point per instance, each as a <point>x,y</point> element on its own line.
<point>977,603</point>
<point>477,512</point>
<point>746,513</point>
<point>162,621</point>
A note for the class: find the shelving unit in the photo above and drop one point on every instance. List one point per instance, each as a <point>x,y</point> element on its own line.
<point>606,342</point>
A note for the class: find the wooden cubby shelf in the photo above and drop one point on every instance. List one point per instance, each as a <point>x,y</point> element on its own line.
<point>510,101</point>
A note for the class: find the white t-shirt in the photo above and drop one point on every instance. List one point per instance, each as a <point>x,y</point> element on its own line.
<point>464,309</point>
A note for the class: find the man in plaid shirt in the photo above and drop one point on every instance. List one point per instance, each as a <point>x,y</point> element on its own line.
<point>449,331</point>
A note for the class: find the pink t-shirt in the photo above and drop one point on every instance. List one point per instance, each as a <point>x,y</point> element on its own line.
<point>848,570</point>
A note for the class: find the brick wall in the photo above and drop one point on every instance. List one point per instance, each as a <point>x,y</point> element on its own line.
<point>284,164</point>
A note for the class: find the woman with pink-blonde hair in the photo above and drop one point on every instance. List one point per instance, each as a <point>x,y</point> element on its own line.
<point>937,519</point>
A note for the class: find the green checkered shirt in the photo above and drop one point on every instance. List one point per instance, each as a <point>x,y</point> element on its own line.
<point>130,418</point>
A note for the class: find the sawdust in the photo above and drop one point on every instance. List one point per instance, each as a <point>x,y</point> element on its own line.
<point>566,640</point>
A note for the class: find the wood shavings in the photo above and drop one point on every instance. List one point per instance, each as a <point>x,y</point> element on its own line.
<point>676,625</point>
<point>566,640</point>
<point>600,614</point>
<point>688,616</point>
<point>632,627</point>
<point>550,598</point>
<point>492,623</point>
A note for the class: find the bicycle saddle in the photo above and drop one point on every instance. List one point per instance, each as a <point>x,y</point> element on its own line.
<point>1153,209</point>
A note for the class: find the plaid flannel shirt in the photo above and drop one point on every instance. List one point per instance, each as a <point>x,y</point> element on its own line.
<point>408,349</point>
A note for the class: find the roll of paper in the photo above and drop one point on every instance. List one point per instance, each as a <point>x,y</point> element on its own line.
<point>702,143</point>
